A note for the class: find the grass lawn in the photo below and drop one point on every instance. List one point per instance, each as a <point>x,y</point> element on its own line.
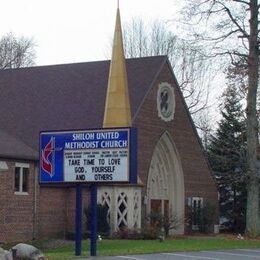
<point>123,247</point>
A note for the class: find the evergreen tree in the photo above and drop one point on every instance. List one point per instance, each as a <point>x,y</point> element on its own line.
<point>227,154</point>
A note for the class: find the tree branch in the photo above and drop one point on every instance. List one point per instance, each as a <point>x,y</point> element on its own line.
<point>245,34</point>
<point>241,1</point>
<point>223,37</point>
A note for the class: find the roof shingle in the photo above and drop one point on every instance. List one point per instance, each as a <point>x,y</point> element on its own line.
<point>63,97</point>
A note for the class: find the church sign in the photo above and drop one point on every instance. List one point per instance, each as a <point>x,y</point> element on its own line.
<point>104,155</point>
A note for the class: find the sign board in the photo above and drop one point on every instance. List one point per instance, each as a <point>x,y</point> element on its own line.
<point>102,155</point>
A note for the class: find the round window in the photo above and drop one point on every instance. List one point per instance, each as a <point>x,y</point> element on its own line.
<point>165,101</point>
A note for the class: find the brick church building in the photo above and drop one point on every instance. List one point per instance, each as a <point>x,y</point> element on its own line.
<point>173,173</point>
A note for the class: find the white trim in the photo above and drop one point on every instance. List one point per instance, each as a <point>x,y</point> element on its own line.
<point>3,166</point>
<point>197,199</point>
<point>226,253</point>
<point>250,250</point>
<point>114,197</point>
<point>22,165</point>
<point>21,193</point>
<point>166,169</point>
<point>192,256</point>
<point>130,257</point>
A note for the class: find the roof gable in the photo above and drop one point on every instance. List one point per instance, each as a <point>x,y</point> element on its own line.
<point>63,97</point>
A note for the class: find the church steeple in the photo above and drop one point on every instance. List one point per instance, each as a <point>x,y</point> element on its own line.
<point>117,108</point>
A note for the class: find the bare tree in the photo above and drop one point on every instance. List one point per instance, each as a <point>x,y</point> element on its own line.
<point>16,52</point>
<point>195,76</point>
<point>135,39</point>
<point>142,40</point>
<point>204,127</point>
<point>190,69</point>
<point>230,28</point>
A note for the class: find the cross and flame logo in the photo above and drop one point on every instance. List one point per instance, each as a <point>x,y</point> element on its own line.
<point>47,157</point>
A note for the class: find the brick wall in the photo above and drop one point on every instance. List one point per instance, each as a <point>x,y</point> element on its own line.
<point>51,212</point>
<point>56,215</point>
<point>197,176</point>
<point>43,212</point>
<point>16,210</point>
<point>71,205</point>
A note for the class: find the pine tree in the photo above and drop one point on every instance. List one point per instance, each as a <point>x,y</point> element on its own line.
<point>227,154</point>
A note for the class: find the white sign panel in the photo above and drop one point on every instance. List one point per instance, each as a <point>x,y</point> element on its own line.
<point>96,165</point>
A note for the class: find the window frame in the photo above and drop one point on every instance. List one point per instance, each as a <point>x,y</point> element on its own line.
<point>22,166</point>
<point>199,206</point>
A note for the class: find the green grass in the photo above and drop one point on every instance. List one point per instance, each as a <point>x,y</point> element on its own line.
<point>123,247</point>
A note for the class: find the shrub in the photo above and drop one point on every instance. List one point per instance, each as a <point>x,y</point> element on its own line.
<point>207,215</point>
<point>204,217</point>
<point>150,232</point>
<point>147,232</point>
<point>172,222</point>
<point>127,233</point>
<point>159,223</point>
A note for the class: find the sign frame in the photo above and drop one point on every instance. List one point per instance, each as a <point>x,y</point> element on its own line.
<point>131,154</point>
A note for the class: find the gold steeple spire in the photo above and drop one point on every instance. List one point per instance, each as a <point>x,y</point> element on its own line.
<point>117,108</point>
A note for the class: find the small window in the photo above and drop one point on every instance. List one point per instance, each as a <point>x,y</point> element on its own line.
<point>21,179</point>
<point>197,205</point>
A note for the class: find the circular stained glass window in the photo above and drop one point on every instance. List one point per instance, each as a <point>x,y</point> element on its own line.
<point>165,101</point>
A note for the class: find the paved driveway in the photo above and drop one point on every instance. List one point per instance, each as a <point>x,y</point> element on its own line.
<point>238,254</point>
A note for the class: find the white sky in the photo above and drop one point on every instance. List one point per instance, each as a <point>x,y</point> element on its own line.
<point>68,31</point>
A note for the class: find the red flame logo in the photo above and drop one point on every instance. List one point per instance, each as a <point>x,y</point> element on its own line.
<point>47,158</point>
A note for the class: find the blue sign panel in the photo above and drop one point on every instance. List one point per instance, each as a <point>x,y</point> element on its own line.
<point>88,156</point>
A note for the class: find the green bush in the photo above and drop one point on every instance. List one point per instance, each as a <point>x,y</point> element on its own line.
<point>207,218</point>
<point>204,216</point>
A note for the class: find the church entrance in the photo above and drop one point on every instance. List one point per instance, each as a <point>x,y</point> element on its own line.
<point>165,184</point>
<point>160,206</point>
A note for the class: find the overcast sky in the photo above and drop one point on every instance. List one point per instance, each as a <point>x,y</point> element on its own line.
<point>75,30</point>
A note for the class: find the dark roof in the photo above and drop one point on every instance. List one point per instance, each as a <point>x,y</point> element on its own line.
<point>63,97</point>
<point>11,147</point>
